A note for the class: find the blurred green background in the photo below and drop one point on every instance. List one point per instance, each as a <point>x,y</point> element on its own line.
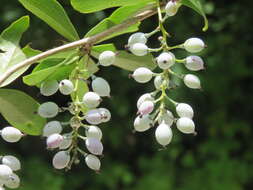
<point>219,158</point>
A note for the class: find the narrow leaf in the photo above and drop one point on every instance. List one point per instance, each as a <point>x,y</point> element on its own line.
<point>19,110</point>
<point>88,6</point>
<point>117,17</point>
<point>51,12</point>
<point>30,52</point>
<point>15,31</point>
<point>131,62</point>
<point>50,69</point>
<point>12,54</point>
<point>96,50</point>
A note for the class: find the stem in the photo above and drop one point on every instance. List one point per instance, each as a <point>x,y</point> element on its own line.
<point>181,76</point>
<point>89,41</point>
<point>161,27</point>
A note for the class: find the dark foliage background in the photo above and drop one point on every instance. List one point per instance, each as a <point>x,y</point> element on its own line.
<point>218,158</point>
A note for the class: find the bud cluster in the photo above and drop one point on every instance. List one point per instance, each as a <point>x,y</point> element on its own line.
<point>8,163</point>
<point>81,135</point>
<point>85,115</point>
<point>157,108</point>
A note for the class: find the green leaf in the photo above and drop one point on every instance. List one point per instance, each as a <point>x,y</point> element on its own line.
<point>129,61</point>
<point>88,6</point>
<point>196,5</point>
<point>12,54</point>
<point>15,31</point>
<point>50,69</point>
<point>104,47</point>
<point>51,12</point>
<point>30,52</point>
<point>19,110</point>
<point>117,17</point>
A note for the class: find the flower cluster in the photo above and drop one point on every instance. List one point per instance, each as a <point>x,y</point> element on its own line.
<point>80,135</point>
<point>9,163</point>
<point>156,108</point>
<point>85,115</point>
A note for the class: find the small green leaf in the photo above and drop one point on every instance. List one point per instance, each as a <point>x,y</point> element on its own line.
<point>117,17</point>
<point>104,47</point>
<point>30,52</point>
<point>88,6</point>
<point>131,62</point>
<point>15,31</point>
<point>50,69</point>
<point>19,110</point>
<point>196,5</point>
<point>51,12</point>
<point>12,54</point>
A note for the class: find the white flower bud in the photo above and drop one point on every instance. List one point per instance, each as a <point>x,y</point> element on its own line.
<point>94,117</point>
<point>192,81</point>
<point>11,134</point>
<point>163,134</point>
<point>158,81</point>
<point>143,98</point>
<point>51,128</point>
<point>66,87</point>
<point>5,172</point>
<point>101,87</point>
<point>1,187</point>
<point>94,146</point>
<point>194,45</point>
<point>184,110</point>
<point>139,49</point>
<point>61,160</point>
<point>142,75</point>
<point>142,123</point>
<point>107,58</point>
<point>93,162</point>
<point>146,107</point>
<point>94,132</point>
<point>66,143</point>
<point>194,63</point>
<point>105,114</point>
<point>13,181</point>
<point>167,117</point>
<point>171,8</point>
<point>12,162</point>
<point>138,37</point>
<point>54,141</point>
<point>48,110</point>
<point>165,60</point>
<point>91,99</point>
<point>49,88</point>
<point>185,125</point>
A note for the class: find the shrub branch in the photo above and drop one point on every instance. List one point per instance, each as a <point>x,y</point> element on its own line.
<point>89,41</point>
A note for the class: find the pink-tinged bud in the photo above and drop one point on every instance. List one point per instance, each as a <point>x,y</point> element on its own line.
<point>94,146</point>
<point>61,160</point>
<point>146,107</point>
<point>54,141</point>
<point>93,162</point>
<point>194,63</point>
<point>94,117</point>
